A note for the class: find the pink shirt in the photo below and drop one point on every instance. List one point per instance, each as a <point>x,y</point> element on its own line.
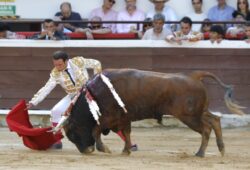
<point>125,16</point>
<point>111,15</point>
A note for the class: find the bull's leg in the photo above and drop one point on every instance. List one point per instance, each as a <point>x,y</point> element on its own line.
<point>206,131</point>
<point>126,132</point>
<point>216,125</point>
<point>99,144</point>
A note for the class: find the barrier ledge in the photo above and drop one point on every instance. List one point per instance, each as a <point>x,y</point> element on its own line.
<point>42,118</point>
<point>225,44</point>
<point>37,117</point>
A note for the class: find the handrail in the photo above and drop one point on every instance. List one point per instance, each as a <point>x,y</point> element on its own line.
<point>119,22</point>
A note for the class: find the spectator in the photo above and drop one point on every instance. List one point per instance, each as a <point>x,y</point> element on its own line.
<point>5,32</point>
<point>197,15</point>
<point>95,28</point>
<point>131,13</point>
<point>168,12</point>
<point>237,29</point>
<point>49,32</point>
<point>185,33</point>
<point>67,14</point>
<point>158,32</point>
<point>243,7</point>
<point>106,13</point>
<point>205,27</point>
<point>247,32</point>
<point>216,34</point>
<point>146,26</point>
<point>221,12</point>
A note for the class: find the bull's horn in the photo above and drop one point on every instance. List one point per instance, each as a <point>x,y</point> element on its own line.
<point>60,124</point>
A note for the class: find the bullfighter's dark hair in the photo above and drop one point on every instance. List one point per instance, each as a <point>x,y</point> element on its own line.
<point>60,55</point>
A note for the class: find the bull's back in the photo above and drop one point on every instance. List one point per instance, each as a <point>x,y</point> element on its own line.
<point>147,92</point>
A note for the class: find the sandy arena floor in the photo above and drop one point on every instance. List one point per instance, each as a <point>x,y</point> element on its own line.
<point>159,148</point>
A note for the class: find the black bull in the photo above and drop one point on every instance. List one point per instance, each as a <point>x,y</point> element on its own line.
<point>146,95</point>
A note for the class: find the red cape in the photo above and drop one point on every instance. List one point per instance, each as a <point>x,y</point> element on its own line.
<point>34,138</point>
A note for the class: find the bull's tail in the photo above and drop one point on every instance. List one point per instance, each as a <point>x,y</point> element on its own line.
<point>233,107</point>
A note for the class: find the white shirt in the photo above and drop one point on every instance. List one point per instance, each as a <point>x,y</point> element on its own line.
<point>150,34</point>
<point>125,16</point>
<point>197,17</point>
<point>167,11</point>
<point>111,15</point>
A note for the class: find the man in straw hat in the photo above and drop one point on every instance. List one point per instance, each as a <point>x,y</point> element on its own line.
<point>168,12</point>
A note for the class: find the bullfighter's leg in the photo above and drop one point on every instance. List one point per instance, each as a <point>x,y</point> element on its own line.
<point>216,125</point>
<point>99,144</point>
<point>133,147</point>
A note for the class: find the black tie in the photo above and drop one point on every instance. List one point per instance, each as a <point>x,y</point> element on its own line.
<point>67,71</point>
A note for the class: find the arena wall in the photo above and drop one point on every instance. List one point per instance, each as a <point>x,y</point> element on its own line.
<point>25,65</point>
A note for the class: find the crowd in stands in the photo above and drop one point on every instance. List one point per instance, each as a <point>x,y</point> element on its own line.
<point>155,25</point>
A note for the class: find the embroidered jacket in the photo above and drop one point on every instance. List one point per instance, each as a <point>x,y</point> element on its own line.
<point>79,67</point>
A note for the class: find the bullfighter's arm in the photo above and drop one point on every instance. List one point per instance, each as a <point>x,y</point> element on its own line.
<point>93,64</point>
<point>44,91</point>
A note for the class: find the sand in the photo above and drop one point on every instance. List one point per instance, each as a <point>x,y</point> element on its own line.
<point>159,148</point>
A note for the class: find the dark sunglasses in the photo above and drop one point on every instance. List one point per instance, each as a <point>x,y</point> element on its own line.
<point>147,25</point>
<point>112,1</point>
<point>95,26</point>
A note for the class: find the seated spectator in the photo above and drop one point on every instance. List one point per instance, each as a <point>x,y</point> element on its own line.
<point>185,33</point>
<point>221,12</point>
<point>247,33</point>
<point>49,32</point>
<point>95,28</point>
<point>216,34</point>
<point>158,32</point>
<point>5,32</point>
<point>205,27</point>
<point>67,14</point>
<point>197,15</point>
<point>146,26</point>
<point>106,13</point>
<point>168,12</point>
<point>243,7</point>
<point>131,13</point>
<point>148,23</point>
<point>237,29</point>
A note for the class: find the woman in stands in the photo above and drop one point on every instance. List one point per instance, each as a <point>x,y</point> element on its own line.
<point>243,7</point>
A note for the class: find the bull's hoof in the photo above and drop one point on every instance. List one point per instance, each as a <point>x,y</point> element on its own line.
<point>222,152</point>
<point>89,150</point>
<point>126,152</point>
<point>200,154</point>
<point>103,148</point>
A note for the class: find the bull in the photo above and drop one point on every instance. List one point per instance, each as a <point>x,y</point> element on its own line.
<point>146,95</point>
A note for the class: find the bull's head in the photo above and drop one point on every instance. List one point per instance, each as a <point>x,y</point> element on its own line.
<point>79,125</point>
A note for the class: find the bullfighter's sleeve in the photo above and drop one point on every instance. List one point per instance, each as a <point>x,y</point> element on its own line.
<point>93,64</point>
<point>44,91</point>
